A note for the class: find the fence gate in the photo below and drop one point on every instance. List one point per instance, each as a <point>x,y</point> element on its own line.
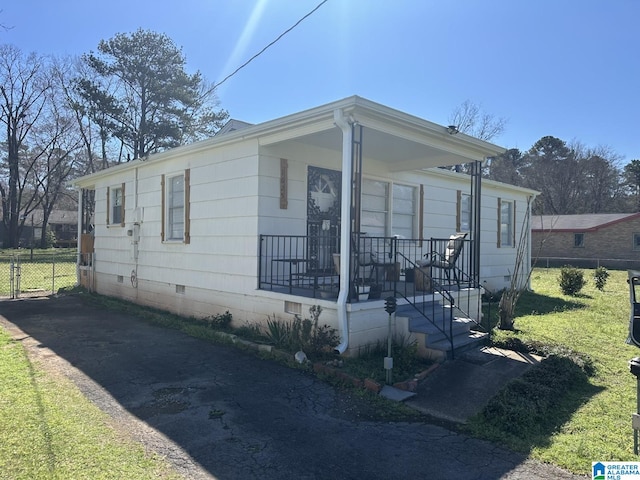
<point>37,273</point>
<point>14,277</point>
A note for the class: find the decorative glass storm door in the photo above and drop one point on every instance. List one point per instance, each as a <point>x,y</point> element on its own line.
<point>323,217</point>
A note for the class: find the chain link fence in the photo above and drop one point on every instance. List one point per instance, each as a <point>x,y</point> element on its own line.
<point>32,273</point>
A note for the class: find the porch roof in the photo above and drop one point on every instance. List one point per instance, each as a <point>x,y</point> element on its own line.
<point>398,140</point>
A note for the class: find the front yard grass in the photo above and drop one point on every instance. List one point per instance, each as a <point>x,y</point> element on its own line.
<point>591,419</point>
<point>50,430</point>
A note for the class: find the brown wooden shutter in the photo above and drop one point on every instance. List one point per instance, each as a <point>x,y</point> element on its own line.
<point>284,184</point>
<point>108,207</point>
<point>187,206</point>
<point>458,210</point>
<point>162,207</point>
<point>122,206</point>
<point>499,221</point>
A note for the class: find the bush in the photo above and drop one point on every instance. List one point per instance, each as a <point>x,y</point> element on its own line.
<point>571,280</point>
<point>50,239</point>
<point>220,321</point>
<point>303,334</point>
<point>600,277</point>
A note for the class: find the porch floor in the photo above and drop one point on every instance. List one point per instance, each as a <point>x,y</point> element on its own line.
<point>329,291</point>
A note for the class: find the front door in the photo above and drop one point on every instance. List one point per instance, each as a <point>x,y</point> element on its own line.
<point>323,217</point>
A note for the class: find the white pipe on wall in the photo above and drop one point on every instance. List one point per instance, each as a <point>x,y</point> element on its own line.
<point>345,225</point>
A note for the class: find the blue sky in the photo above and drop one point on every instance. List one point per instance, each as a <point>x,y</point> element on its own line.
<point>570,69</point>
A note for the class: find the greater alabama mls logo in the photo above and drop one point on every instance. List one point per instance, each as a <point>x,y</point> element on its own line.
<point>598,471</point>
<point>615,470</point>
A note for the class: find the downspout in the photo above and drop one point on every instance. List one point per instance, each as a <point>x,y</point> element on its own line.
<point>345,228</point>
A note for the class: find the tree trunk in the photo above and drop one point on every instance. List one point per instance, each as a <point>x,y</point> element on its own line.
<point>506,310</point>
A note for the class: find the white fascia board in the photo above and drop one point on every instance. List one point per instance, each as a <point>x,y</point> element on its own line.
<point>320,118</point>
<point>485,181</point>
<point>423,132</point>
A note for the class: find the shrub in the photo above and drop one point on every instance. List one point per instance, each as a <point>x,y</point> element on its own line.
<point>571,280</point>
<point>278,332</point>
<point>220,321</point>
<point>304,334</point>
<point>600,277</point>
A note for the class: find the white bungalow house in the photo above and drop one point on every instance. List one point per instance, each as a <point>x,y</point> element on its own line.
<point>304,210</point>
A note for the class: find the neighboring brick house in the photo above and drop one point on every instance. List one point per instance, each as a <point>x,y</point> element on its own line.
<point>608,239</point>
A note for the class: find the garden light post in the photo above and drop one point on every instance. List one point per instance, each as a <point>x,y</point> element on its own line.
<point>390,308</point>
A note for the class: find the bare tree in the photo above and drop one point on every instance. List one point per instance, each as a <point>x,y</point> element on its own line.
<point>57,148</point>
<point>24,91</point>
<point>469,118</point>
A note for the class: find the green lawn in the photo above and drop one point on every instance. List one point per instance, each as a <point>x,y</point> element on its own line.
<point>49,430</point>
<point>592,419</point>
<point>44,270</point>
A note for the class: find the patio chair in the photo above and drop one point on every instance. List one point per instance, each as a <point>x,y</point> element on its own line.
<point>447,261</point>
<point>369,257</point>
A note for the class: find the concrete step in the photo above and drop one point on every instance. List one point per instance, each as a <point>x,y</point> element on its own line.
<point>459,341</point>
<point>434,332</point>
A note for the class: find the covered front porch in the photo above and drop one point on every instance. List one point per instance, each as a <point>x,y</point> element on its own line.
<point>431,281</point>
<point>365,227</point>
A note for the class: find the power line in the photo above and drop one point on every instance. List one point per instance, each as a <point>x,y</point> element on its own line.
<point>272,43</point>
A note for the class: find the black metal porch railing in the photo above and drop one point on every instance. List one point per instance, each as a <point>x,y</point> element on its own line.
<point>299,265</point>
<point>309,265</point>
<point>413,269</point>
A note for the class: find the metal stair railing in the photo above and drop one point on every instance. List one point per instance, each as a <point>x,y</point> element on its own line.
<point>427,307</point>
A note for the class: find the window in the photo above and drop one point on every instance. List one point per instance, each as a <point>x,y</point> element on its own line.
<point>175,208</point>
<point>378,219</point>
<point>374,207</point>
<point>463,212</point>
<point>506,223</point>
<point>578,240</point>
<point>636,241</point>
<point>404,212</point>
<point>175,205</point>
<point>115,205</point>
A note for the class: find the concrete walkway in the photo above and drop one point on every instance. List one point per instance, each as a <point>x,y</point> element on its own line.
<point>458,389</point>
<point>219,412</point>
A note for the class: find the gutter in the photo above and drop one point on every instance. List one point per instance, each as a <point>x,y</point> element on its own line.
<point>345,227</point>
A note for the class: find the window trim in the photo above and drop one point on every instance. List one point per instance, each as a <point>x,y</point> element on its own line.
<point>512,227</point>
<point>111,192</point>
<point>417,203</point>
<point>164,186</point>
<point>459,213</point>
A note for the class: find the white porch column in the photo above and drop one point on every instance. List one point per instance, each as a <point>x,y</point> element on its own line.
<point>79,235</point>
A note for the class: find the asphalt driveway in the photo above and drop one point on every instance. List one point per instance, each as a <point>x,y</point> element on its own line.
<point>219,412</point>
